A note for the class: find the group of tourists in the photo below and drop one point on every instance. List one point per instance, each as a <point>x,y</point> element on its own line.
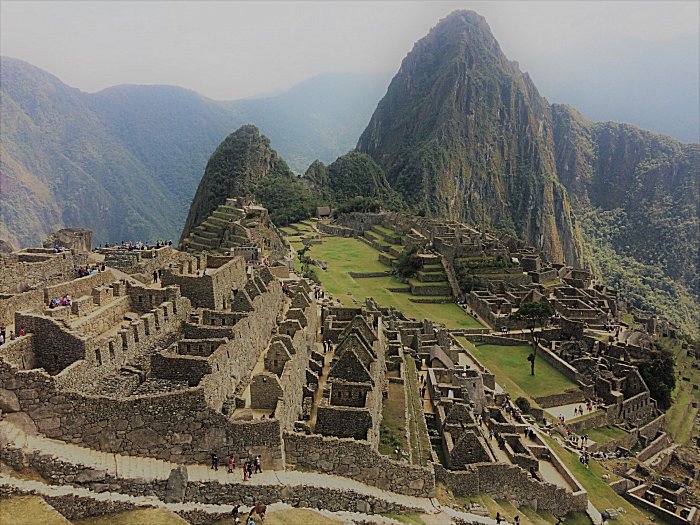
<point>250,465</point>
<point>590,406</point>
<point>61,301</point>
<point>327,346</point>
<point>84,271</point>
<point>140,245</point>
<point>13,336</point>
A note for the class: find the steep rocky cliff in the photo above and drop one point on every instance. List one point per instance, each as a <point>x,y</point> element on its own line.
<point>242,160</point>
<point>638,195</point>
<point>462,133</point>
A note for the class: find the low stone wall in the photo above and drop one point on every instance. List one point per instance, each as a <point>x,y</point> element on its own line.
<point>559,364</point>
<point>334,229</point>
<point>79,287</point>
<point>654,447</point>
<point>10,304</point>
<point>58,472</point>
<point>565,398</point>
<point>73,507</point>
<point>512,483</point>
<point>357,460</point>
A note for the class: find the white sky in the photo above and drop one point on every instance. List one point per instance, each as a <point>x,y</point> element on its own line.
<point>229,50</point>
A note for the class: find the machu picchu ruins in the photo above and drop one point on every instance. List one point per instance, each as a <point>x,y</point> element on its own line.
<point>137,364</point>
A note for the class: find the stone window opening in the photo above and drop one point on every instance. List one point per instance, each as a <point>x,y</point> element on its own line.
<point>98,357</point>
<point>111,350</point>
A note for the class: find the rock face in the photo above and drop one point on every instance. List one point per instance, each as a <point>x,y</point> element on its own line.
<point>79,239</point>
<point>6,246</point>
<point>241,160</point>
<point>462,133</point>
<point>649,182</point>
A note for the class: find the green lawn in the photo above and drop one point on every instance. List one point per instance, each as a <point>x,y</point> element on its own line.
<point>599,493</point>
<point>680,418</point>
<point>420,441</point>
<point>606,434</point>
<point>345,255</point>
<point>392,432</point>
<point>29,510</point>
<point>512,370</point>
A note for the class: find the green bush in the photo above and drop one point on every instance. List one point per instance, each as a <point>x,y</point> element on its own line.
<point>523,404</point>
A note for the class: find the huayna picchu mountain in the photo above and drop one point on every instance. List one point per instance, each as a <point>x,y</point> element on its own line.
<point>462,133</point>
<point>242,160</point>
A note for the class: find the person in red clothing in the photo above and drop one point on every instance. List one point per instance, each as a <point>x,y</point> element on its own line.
<point>21,331</point>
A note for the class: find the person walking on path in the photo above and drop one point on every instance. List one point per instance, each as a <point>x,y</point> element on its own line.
<point>214,461</point>
<point>230,464</point>
<point>155,276</point>
<point>258,464</point>
<point>498,518</point>
<point>236,514</point>
<point>249,466</point>
<point>245,470</point>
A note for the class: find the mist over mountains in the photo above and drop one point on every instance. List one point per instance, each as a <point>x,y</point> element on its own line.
<point>125,162</point>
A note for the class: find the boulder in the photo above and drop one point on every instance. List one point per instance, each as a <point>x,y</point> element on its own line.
<point>8,401</point>
<point>176,485</point>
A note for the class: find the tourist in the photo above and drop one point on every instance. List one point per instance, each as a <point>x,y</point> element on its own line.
<point>258,464</point>
<point>12,335</point>
<point>2,331</point>
<point>517,520</point>
<point>230,464</point>
<point>245,470</point>
<point>235,514</point>
<point>498,517</point>
<point>249,467</point>
<point>21,331</point>
<point>2,338</point>
<point>155,276</point>
<point>214,461</point>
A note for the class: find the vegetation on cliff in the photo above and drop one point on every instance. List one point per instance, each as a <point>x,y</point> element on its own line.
<point>462,133</point>
<point>637,197</point>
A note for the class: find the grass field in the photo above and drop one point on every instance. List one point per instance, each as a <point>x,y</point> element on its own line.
<point>392,432</point>
<point>136,517</point>
<point>345,255</point>
<point>680,418</point>
<point>29,510</point>
<point>512,370</point>
<point>599,493</point>
<point>604,435</point>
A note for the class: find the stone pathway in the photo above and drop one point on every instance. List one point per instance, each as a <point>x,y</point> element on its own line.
<point>148,468</point>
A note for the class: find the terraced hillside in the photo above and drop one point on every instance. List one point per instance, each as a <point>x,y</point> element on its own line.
<point>357,268</point>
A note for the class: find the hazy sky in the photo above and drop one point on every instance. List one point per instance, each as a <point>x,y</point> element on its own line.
<point>632,60</point>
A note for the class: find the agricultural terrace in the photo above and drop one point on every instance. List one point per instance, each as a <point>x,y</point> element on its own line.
<point>345,255</point>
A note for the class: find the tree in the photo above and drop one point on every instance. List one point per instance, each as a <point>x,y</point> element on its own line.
<point>658,374</point>
<point>408,263</point>
<point>536,314</point>
<point>304,259</point>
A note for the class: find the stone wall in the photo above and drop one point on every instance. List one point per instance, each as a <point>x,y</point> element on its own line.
<point>512,483</point>
<point>212,290</point>
<point>176,426</point>
<point>19,352</point>
<point>11,303</point>
<point>359,461</point>
<point>78,287</point>
<point>249,338</point>
<point>21,272</point>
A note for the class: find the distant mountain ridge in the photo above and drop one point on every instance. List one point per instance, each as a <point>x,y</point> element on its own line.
<point>125,162</point>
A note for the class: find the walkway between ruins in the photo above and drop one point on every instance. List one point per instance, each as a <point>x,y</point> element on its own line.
<point>318,395</point>
<point>131,467</point>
